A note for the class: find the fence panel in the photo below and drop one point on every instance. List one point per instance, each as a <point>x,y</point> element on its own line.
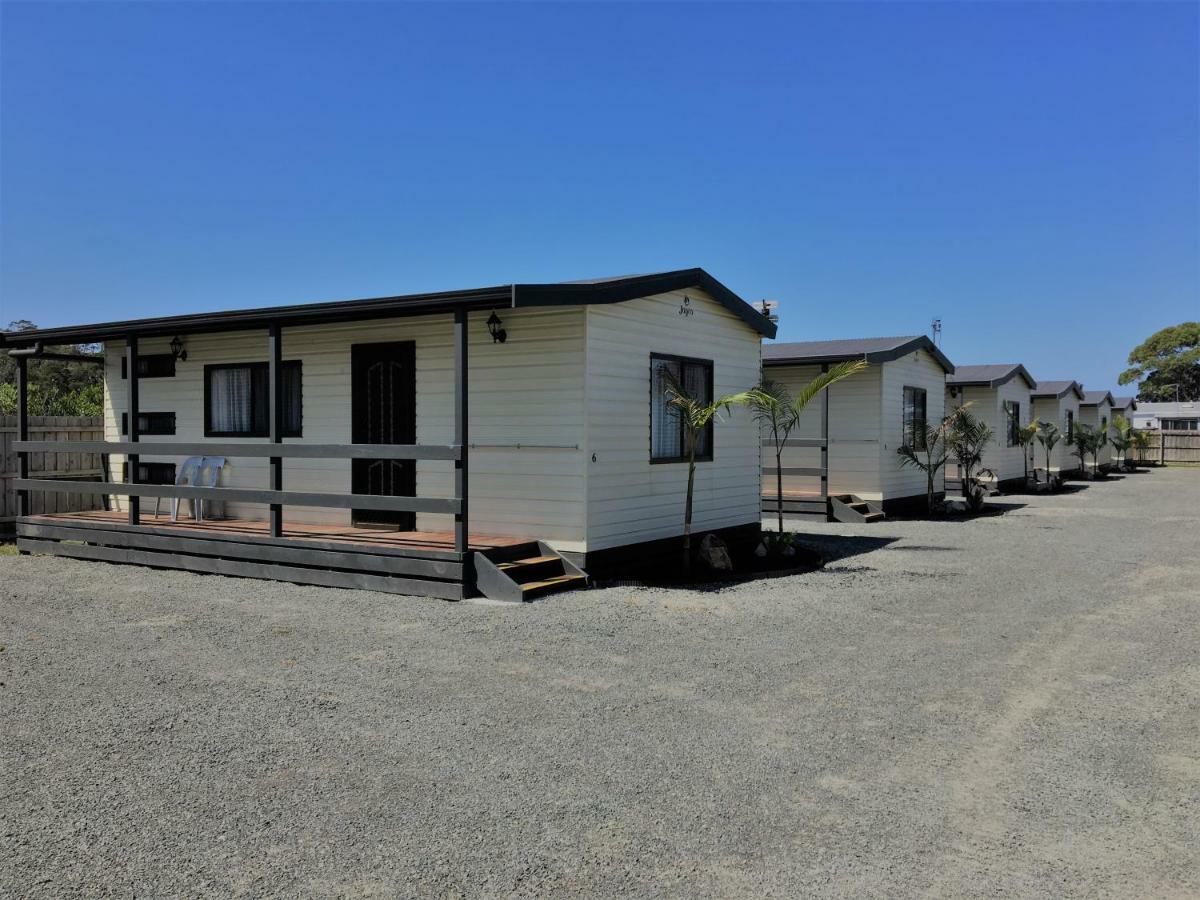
<point>65,463</point>
<point>1171,447</point>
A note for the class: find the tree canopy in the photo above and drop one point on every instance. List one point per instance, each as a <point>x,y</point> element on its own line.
<point>1167,364</point>
<point>56,387</point>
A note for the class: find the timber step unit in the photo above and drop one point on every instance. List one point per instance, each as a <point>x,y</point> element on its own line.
<point>849,508</point>
<point>523,572</point>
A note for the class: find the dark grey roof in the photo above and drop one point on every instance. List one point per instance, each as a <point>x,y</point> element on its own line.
<point>1057,389</point>
<point>1122,403</point>
<point>613,290</point>
<point>989,376</point>
<point>873,350</point>
<point>1095,398</point>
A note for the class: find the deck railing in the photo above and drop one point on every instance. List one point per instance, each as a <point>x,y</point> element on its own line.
<point>445,452</point>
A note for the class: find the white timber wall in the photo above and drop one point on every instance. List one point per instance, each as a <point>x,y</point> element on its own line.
<point>629,500</point>
<point>988,405</point>
<point>1093,415</point>
<point>1049,410</point>
<point>527,391</point>
<point>854,434</point>
<point>918,369</point>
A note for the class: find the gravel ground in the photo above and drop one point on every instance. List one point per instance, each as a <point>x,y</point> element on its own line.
<point>1004,706</point>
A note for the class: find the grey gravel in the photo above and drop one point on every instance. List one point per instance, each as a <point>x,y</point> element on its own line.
<point>1004,706</point>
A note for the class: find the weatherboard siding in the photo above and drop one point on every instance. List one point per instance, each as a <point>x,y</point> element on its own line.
<point>1091,415</point>
<point>854,407</point>
<point>917,369</point>
<point>987,404</point>
<point>1062,459</point>
<point>629,499</point>
<point>529,390</point>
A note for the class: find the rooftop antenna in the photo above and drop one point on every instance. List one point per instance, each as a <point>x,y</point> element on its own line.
<point>936,325</point>
<point>768,307</point>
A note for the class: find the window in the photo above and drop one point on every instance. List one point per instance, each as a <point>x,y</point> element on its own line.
<point>151,473</point>
<point>1104,424</point>
<point>150,423</point>
<point>237,400</point>
<point>152,365</point>
<point>914,417</point>
<point>1181,424</point>
<point>667,442</point>
<point>1012,413</point>
<point>1070,426</point>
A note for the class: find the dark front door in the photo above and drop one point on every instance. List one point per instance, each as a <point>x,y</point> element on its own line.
<point>384,411</point>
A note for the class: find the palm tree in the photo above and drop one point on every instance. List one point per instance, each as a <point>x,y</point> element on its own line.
<point>968,439</point>
<point>1025,436</point>
<point>1048,436</point>
<point>1089,441</point>
<point>1122,440</point>
<point>931,455</point>
<point>1139,440</point>
<point>779,411</point>
<point>695,415</point>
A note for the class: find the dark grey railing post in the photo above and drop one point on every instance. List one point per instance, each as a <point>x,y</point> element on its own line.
<point>134,459</point>
<point>275,375</point>
<point>22,431</point>
<point>825,441</point>
<point>462,535</point>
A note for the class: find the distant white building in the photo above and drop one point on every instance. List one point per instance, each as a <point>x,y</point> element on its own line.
<point>1178,416</point>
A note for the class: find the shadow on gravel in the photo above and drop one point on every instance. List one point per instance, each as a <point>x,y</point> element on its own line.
<point>991,511</point>
<point>835,547</point>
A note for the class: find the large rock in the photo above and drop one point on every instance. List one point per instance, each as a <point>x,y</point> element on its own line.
<point>715,554</point>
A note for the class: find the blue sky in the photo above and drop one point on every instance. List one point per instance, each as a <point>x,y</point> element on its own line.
<point>1029,173</point>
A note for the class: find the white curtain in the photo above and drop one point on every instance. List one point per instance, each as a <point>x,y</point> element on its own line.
<point>695,382</point>
<point>665,437</point>
<point>229,399</point>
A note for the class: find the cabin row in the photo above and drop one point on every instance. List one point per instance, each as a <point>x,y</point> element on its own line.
<point>506,441</point>
<point>846,448</point>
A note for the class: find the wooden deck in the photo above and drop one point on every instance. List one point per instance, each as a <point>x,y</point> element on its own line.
<point>404,562</point>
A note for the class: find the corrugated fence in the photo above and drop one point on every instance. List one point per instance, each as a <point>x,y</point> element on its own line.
<point>66,463</point>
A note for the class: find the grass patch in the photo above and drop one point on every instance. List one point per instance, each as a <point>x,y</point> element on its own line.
<point>7,549</point>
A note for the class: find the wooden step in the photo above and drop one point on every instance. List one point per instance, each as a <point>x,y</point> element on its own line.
<point>873,517</point>
<point>531,561</point>
<point>553,585</point>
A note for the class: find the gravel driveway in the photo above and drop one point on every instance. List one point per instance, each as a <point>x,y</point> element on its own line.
<point>1004,706</point>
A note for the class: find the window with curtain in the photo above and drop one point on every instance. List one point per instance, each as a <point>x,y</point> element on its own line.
<point>237,400</point>
<point>667,439</point>
<point>914,417</point>
<point>1012,413</point>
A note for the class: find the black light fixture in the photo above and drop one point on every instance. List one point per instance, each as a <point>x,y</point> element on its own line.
<point>499,335</point>
<point>177,350</point>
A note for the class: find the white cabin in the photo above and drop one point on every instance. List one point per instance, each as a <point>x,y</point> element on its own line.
<point>865,421</point>
<point>1058,402</point>
<point>999,395</point>
<point>1095,411</point>
<point>551,397</point>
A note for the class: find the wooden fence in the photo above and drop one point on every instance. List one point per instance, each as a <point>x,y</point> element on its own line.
<point>1168,447</point>
<point>65,463</point>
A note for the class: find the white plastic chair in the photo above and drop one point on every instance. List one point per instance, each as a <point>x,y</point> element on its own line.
<point>184,475</point>
<point>208,476</point>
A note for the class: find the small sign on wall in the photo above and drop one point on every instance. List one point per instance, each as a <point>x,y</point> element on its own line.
<point>685,308</point>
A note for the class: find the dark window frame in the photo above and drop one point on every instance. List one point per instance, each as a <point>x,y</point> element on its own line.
<point>289,364</point>
<point>150,472</point>
<point>709,367</point>
<point>1012,413</point>
<point>1070,427</point>
<point>166,422</point>
<point>905,427</point>
<point>152,365</point>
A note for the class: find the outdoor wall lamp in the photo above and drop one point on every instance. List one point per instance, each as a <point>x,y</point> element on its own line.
<point>499,335</point>
<point>177,350</point>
